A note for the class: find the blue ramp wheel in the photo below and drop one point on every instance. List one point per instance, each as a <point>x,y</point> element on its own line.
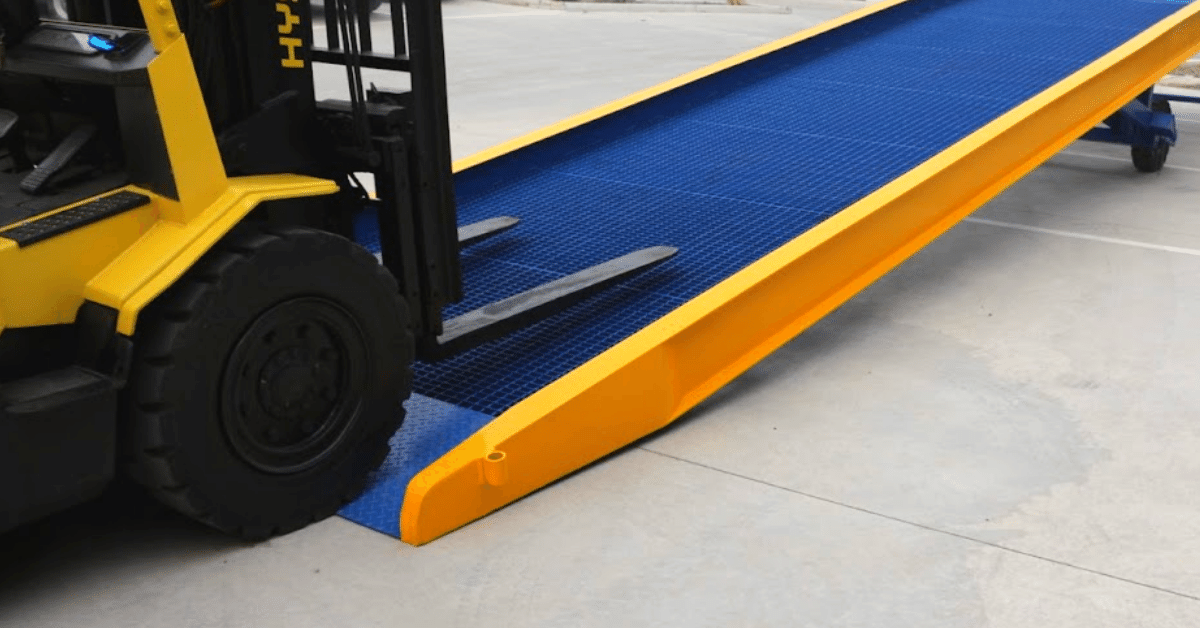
<point>1153,159</point>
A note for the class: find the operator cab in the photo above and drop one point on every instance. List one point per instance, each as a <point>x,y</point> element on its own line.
<point>67,105</point>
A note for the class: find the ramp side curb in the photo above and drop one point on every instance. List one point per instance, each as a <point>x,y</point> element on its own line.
<point>662,88</point>
<point>654,376</point>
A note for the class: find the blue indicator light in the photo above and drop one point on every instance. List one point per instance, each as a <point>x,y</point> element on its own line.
<point>102,43</point>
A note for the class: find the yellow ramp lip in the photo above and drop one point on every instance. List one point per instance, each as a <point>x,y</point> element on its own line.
<point>654,376</point>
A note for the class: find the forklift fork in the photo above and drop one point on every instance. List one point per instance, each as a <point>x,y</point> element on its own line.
<point>505,316</point>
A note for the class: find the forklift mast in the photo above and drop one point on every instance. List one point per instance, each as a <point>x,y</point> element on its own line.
<point>255,62</point>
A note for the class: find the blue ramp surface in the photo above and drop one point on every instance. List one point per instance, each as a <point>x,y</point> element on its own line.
<point>431,428</point>
<point>735,165</point>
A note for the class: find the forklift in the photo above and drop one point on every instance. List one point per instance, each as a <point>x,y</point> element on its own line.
<point>181,297</point>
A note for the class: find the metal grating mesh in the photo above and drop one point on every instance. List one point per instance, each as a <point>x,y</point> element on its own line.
<point>735,165</point>
<point>739,163</point>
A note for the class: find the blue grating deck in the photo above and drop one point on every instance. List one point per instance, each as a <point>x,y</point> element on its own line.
<point>737,164</point>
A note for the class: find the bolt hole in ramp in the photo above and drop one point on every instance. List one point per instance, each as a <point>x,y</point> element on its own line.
<point>727,168</point>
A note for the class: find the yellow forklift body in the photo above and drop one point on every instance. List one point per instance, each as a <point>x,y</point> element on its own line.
<point>124,262</point>
<point>169,248</point>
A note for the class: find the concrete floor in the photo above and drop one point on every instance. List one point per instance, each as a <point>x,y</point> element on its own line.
<point>1000,433</point>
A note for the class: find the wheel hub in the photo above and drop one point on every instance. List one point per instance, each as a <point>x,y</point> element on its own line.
<point>293,384</point>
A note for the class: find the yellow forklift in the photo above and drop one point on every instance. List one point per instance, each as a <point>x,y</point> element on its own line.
<point>182,298</point>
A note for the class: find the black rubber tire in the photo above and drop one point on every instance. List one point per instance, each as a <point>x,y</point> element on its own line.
<point>1152,160</point>
<point>182,428</point>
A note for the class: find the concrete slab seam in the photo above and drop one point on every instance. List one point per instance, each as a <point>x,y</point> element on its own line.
<point>1084,236</point>
<point>927,527</point>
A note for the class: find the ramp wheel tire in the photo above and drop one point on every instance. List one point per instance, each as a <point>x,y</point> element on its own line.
<point>268,381</point>
<point>1153,159</point>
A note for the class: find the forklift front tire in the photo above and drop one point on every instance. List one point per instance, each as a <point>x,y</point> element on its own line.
<point>268,381</point>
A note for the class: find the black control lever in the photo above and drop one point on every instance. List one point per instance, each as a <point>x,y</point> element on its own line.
<point>62,155</point>
<point>8,122</point>
<point>11,139</point>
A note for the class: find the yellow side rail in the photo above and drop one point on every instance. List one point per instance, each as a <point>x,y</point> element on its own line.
<point>654,376</point>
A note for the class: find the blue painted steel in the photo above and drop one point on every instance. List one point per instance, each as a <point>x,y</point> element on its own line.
<point>737,164</point>
<point>431,428</point>
<point>1136,124</point>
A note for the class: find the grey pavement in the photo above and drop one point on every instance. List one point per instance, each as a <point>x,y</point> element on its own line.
<point>1000,433</point>
<point>513,70</point>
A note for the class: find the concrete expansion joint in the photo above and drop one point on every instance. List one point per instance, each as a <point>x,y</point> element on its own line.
<point>931,528</point>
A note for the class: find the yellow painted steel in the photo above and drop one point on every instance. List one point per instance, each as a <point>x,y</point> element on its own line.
<point>168,249</point>
<point>161,23</point>
<point>209,204</point>
<point>656,375</point>
<point>126,261</point>
<point>43,284</point>
<point>191,145</point>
